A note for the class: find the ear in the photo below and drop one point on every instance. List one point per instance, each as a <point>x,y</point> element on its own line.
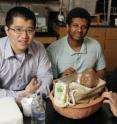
<point>6,30</point>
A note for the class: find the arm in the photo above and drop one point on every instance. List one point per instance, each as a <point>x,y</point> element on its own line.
<point>69,71</point>
<point>111,99</point>
<point>101,73</point>
<point>44,73</point>
<point>30,88</point>
<point>52,58</point>
<point>100,64</point>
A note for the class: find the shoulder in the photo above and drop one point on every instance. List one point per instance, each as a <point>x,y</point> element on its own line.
<point>3,44</point>
<point>57,45</point>
<point>3,41</point>
<point>91,42</point>
<point>37,48</point>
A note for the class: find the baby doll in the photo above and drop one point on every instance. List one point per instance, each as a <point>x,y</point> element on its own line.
<point>89,78</point>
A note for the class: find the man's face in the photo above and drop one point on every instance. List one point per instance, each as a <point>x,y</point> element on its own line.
<point>77,29</point>
<point>20,33</point>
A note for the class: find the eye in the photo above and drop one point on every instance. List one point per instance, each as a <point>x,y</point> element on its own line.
<point>30,31</point>
<point>18,29</point>
<point>75,26</point>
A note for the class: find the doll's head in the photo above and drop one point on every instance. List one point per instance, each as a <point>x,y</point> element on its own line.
<point>89,78</point>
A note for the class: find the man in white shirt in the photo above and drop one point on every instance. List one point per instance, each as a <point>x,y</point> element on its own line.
<point>24,65</point>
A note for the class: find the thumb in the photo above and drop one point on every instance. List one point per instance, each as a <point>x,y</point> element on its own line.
<point>33,80</point>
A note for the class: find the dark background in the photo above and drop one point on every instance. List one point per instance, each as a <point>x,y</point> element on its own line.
<point>100,5</point>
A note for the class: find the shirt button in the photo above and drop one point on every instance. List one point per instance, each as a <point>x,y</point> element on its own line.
<point>19,76</point>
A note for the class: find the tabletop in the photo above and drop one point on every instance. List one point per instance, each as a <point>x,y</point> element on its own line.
<point>102,116</point>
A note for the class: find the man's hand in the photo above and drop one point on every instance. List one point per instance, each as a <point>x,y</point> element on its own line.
<point>111,99</point>
<point>31,87</point>
<point>69,71</point>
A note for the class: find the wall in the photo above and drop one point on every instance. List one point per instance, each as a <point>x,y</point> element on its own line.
<point>42,9</point>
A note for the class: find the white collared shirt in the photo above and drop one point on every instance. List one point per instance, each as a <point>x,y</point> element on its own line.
<point>16,71</point>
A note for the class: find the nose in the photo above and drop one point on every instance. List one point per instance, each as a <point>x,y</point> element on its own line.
<point>79,29</point>
<point>25,34</point>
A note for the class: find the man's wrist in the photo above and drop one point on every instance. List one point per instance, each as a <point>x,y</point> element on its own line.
<point>23,93</point>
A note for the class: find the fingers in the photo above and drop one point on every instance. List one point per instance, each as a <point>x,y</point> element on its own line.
<point>35,82</point>
<point>33,85</point>
<point>112,97</point>
<point>106,94</point>
<point>107,101</point>
<point>69,71</point>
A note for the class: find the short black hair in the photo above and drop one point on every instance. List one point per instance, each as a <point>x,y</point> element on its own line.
<point>78,13</point>
<point>20,11</point>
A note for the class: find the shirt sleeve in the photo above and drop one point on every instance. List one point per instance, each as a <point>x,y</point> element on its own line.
<point>44,73</point>
<point>9,93</point>
<point>101,64</point>
<point>5,92</point>
<point>52,57</point>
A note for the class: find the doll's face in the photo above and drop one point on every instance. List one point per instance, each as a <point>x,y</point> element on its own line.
<point>89,78</point>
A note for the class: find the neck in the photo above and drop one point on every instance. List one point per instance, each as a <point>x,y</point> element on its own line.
<point>75,44</point>
<point>16,52</point>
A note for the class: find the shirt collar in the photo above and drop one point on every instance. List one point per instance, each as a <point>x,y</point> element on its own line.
<point>30,50</point>
<point>9,52</point>
<point>83,49</point>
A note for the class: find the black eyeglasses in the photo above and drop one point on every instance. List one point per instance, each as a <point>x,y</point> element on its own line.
<point>21,31</point>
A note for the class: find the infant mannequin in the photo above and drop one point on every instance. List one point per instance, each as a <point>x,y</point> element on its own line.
<point>89,78</point>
